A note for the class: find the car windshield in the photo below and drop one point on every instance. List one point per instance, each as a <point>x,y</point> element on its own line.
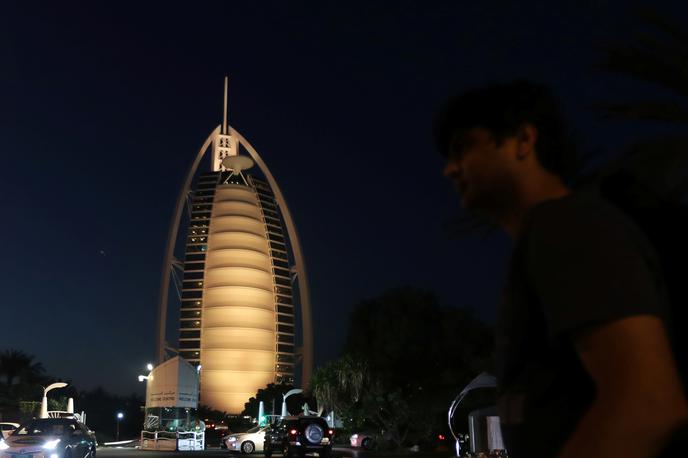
<point>317,421</point>
<point>45,427</point>
<point>255,429</point>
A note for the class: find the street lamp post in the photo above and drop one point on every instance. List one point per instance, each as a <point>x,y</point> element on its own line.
<point>120,415</point>
<point>149,366</point>
<point>44,401</point>
<point>284,412</point>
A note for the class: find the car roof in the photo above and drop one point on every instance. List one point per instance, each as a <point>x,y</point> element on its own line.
<point>303,417</point>
<point>252,427</point>
<point>59,420</point>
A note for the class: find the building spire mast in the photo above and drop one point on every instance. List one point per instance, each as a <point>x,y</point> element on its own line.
<point>224,110</point>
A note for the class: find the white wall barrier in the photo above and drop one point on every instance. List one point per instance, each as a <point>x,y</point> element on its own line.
<point>172,441</point>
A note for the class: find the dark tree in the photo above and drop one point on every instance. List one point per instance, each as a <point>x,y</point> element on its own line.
<point>101,409</point>
<point>414,343</point>
<point>18,367</point>
<point>419,355</point>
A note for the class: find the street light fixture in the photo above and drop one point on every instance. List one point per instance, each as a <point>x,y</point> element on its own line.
<point>284,412</point>
<point>149,366</point>
<point>44,401</point>
<point>120,415</point>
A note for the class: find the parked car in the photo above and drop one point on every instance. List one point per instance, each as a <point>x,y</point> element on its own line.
<point>296,436</point>
<point>247,442</point>
<point>362,440</point>
<point>50,438</point>
<point>6,428</point>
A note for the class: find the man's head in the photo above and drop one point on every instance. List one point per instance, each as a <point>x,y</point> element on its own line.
<point>498,140</point>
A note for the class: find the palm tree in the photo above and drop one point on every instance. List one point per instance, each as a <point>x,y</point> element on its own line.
<point>653,169</point>
<point>19,367</point>
<point>340,383</point>
<point>352,375</point>
<point>656,56</point>
<point>324,386</point>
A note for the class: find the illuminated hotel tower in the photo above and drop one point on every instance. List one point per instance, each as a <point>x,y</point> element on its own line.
<point>237,310</point>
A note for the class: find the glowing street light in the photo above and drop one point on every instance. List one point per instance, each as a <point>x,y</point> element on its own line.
<point>149,366</point>
<point>120,415</point>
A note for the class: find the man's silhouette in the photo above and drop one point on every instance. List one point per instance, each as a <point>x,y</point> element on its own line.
<point>584,360</point>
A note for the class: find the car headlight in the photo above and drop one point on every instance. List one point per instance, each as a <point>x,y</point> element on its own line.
<point>50,445</point>
<point>3,445</point>
<point>231,439</point>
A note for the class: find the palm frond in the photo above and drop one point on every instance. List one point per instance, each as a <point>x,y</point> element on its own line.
<point>657,55</point>
<point>665,67</point>
<point>661,23</point>
<point>644,110</point>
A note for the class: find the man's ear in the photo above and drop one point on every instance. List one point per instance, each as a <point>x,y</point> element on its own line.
<point>527,137</point>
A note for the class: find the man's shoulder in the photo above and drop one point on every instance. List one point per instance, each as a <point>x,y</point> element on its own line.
<point>577,205</point>
<point>579,215</point>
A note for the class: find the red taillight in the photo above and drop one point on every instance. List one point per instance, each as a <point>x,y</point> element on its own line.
<point>330,432</point>
<point>293,432</point>
<point>440,437</point>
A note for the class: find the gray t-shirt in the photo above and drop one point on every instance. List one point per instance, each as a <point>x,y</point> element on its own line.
<point>579,262</point>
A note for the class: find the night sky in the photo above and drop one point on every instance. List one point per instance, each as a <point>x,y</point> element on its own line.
<point>103,106</point>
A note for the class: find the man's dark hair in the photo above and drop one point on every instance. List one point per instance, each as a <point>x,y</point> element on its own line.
<point>502,109</point>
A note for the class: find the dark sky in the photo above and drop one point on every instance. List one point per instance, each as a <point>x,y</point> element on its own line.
<point>103,105</point>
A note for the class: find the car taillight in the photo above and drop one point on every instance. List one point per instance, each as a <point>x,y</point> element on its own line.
<point>293,432</point>
<point>330,432</point>
<point>440,437</point>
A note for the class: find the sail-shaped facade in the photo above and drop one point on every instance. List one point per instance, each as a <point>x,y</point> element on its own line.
<point>237,314</point>
<point>242,265</point>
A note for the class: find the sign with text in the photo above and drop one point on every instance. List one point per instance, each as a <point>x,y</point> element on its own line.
<point>173,383</point>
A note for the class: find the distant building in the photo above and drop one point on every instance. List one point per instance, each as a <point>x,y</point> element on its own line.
<point>241,259</point>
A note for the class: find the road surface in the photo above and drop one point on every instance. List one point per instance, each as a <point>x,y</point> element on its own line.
<point>129,452</point>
